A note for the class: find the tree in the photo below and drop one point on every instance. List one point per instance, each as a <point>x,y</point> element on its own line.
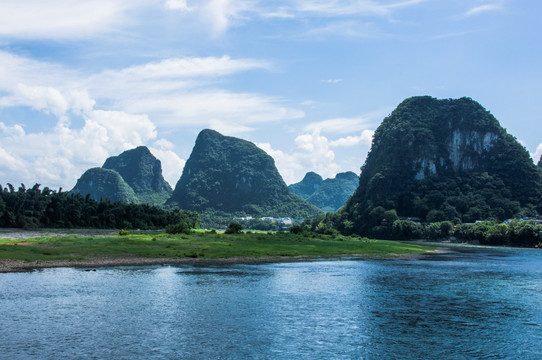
<point>234,228</point>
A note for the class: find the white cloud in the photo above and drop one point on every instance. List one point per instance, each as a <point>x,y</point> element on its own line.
<point>173,92</point>
<point>221,13</point>
<point>177,5</point>
<point>366,138</point>
<point>536,155</point>
<point>312,153</point>
<point>15,130</point>
<point>351,29</point>
<point>228,128</point>
<point>483,9</point>
<point>64,19</point>
<point>348,7</point>
<point>172,164</point>
<point>179,68</point>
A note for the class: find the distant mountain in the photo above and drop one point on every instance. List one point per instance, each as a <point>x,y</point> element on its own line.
<point>105,184</point>
<point>443,160</point>
<point>232,175</point>
<point>329,195</point>
<point>306,187</point>
<point>143,172</point>
<point>137,176</point>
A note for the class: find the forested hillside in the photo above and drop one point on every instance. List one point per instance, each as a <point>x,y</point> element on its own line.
<point>233,176</point>
<point>443,160</point>
<point>328,195</point>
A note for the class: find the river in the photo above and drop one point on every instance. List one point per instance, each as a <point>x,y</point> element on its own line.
<point>470,303</point>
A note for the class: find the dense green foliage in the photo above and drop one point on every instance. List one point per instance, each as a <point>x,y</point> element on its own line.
<point>328,195</point>
<point>442,160</point>
<point>107,184</point>
<point>36,208</point>
<point>540,162</point>
<point>135,176</point>
<point>234,228</point>
<point>333,193</point>
<point>517,233</point>
<point>306,187</point>
<point>233,176</point>
<point>524,233</point>
<point>206,245</point>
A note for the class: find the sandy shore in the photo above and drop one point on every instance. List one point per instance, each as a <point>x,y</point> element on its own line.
<point>7,265</point>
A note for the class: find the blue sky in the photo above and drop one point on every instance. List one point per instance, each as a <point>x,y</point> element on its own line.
<point>307,81</point>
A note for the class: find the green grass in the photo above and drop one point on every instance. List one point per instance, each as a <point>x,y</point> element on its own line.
<point>198,245</point>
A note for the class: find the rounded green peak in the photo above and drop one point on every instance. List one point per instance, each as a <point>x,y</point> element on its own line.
<point>444,159</point>
<point>233,175</point>
<point>349,175</point>
<point>140,169</point>
<point>102,183</point>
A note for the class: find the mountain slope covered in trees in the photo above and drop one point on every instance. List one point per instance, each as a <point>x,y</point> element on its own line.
<point>135,176</point>
<point>306,187</point>
<point>234,176</point>
<point>328,195</point>
<point>442,160</point>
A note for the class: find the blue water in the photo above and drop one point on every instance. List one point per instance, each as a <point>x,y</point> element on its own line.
<point>469,304</point>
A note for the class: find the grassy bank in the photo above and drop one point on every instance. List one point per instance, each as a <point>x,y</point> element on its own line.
<point>199,245</point>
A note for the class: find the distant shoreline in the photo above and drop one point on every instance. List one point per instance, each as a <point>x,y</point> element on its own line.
<point>14,266</point>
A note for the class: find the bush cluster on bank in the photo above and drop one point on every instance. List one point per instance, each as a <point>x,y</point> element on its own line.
<point>516,233</point>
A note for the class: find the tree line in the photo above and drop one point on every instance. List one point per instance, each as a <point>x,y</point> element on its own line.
<point>47,208</point>
<point>390,226</point>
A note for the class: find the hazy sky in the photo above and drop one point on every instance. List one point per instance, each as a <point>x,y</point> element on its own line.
<point>307,80</point>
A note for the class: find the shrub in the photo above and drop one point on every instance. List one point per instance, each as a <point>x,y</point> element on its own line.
<point>179,228</point>
<point>124,232</point>
<point>234,228</point>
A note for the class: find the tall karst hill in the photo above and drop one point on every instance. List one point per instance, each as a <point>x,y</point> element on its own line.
<point>234,176</point>
<point>135,176</point>
<point>443,160</point>
<point>330,194</point>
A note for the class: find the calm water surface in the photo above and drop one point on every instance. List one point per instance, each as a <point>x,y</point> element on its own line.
<point>470,304</point>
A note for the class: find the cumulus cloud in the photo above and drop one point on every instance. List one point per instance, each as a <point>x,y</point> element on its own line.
<point>59,155</point>
<point>312,153</point>
<point>366,137</point>
<point>172,164</point>
<point>173,92</point>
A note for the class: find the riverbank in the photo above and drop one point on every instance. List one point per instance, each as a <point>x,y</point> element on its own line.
<point>193,249</point>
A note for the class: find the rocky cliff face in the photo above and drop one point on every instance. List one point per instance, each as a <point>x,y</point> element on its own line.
<point>444,159</point>
<point>328,195</point>
<point>138,169</point>
<point>105,184</point>
<point>233,175</point>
